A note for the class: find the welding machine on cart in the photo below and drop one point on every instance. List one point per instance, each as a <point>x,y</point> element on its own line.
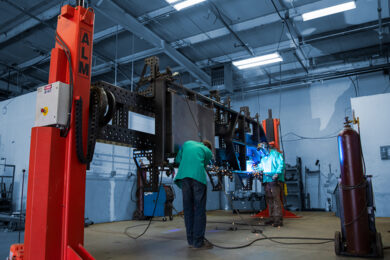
<point>159,204</point>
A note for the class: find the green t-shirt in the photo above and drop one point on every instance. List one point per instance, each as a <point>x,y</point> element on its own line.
<point>193,157</point>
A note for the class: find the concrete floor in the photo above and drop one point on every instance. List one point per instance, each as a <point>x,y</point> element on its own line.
<point>166,240</point>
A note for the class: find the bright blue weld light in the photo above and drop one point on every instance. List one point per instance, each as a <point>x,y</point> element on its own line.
<point>341,152</point>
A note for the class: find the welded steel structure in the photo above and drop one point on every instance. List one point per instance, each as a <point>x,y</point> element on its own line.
<point>180,114</point>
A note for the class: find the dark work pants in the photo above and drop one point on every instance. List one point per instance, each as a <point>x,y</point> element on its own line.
<point>274,202</point>
<point>194,206</point>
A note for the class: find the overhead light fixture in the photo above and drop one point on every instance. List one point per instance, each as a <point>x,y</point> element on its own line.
<point>184,4</point>
<point>329,11</point>
<point>258,61</point>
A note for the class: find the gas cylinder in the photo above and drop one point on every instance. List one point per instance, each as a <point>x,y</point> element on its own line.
<point>353,188</point>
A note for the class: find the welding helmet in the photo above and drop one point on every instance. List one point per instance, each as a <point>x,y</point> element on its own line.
<point>263,148</point>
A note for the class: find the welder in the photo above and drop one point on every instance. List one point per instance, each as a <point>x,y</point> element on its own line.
<point>193,158</point>
<point>271,168</point>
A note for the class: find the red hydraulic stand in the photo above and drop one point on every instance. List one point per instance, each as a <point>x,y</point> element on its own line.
<point>271,129</point>
<point>286,213</point>
<point>56,185</point>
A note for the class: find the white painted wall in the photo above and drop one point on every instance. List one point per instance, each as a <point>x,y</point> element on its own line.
<point>16,120</point>
<point>374,115</point>
<point>317,110</point>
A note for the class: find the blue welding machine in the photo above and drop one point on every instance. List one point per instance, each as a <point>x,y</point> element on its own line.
<point>164,202</point>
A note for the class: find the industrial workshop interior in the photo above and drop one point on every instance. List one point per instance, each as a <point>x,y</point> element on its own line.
<point>194,129</point>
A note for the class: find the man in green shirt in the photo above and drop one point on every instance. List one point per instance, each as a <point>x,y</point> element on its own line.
<point>193,158</point>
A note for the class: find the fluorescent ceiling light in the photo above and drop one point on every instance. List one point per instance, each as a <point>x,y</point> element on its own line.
<point>186,4</point>
<point>171,1</point>
<point>258,61</point>
<point>329,10</point>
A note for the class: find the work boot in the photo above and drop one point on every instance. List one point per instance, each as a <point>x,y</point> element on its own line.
<point>269,221</point>
<point>206,245</point>
<point>278,222</point>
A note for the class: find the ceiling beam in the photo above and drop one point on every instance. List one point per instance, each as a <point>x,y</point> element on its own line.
<point>162,12</point>
<point>115,13</point>
<point>6,87</point>
<point>337,71</point>
<point>21,27</point>
<point>106,67</point>
<point>213,34</point>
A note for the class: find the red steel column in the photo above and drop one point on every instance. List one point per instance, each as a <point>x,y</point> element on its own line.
<point>56,188</point>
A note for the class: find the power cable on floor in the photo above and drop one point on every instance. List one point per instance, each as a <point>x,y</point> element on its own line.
<point>151,219</point>
<point>247,223</point>
<point>236,223</point>
<point>273,239</point>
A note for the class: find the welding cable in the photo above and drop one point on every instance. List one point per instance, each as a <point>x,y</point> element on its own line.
<point>361,151</point>
<point>273,239</point>
<point>151,219</point>
<point>66,49</point>
<point>360,215</point>
<point>253,229</point>
<point>332,135</point>
<point>235,223</point>
<point>223,222</point>
<point>131,192</point>
<point>227,223</point>
<point>178,213</point>
<point>95,106</point>
<point>239,215</point>
<point>93,122</point>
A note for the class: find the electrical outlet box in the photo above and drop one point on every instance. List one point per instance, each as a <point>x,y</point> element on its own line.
<point>52,106</point>
<point>385,152</point>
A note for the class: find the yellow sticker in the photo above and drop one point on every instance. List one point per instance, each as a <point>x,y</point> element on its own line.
<point>45,111</point>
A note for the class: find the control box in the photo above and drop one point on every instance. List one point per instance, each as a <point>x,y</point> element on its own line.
<point>52,106</point>
<point>385,152</point>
